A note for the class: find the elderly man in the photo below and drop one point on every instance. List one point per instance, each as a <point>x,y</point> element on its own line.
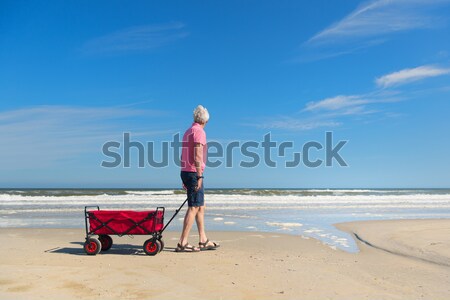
<point>193,157</point>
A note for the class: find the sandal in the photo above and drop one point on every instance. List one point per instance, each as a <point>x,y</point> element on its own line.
<point>205,246</point>
<point>186,248</point>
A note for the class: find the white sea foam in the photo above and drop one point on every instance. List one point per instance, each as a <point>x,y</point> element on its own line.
<point>281,224</point>
<point>164,192</point>
<point>313,230</point>
<point>235,202</point>
<point>343,191</point>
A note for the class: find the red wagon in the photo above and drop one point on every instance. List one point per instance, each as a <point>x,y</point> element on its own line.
<point>104,223</point>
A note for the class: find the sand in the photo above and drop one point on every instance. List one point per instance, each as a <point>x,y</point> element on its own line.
<point>406,259</point>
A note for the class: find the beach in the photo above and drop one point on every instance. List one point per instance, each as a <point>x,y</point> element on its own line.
<point>308,139</point>
<point>397,259</point>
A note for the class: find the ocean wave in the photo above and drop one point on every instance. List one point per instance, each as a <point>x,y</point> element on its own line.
<point>164,192</point>
<point>333,209</point>
<point>221,199</point>
<point>371,204</point>
<point>281,224</point>
<point>344,191</point>
<point>225,192</point>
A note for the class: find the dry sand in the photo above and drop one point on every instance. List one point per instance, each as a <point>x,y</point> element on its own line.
<point>406,259</point>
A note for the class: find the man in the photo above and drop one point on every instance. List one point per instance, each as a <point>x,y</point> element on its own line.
<point>193,157</point>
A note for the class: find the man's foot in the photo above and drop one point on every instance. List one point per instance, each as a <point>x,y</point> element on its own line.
<point>186,248</point>
<point>208,245</point>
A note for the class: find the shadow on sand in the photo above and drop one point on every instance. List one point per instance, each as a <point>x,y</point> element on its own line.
<point>116,249</point>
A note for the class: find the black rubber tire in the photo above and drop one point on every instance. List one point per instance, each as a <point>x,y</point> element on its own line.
<point>152,247</point>
<point>92,246</point>
<point>161,241</point>
<point>106,242</point>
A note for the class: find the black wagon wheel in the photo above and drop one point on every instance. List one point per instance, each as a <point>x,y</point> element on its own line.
<point>161,241</point>
<point>152,247</point>
<point>92,246</point>
<point>106,242</point>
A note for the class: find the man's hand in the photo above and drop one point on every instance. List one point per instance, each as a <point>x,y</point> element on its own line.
<point>199,184</point>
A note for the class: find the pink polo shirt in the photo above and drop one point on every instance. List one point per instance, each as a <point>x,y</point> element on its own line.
<point>194,134</point>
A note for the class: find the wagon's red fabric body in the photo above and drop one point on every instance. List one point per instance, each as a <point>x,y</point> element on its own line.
<point>120,221</point>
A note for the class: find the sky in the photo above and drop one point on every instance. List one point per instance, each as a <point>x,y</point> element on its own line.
<point>75,75</point>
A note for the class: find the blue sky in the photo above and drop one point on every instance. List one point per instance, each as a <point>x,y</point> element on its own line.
<point>76,74</point>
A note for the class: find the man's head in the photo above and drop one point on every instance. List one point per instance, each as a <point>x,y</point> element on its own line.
<point>201,115</point>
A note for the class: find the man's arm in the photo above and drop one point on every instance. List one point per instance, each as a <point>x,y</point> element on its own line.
<point>198,158</point>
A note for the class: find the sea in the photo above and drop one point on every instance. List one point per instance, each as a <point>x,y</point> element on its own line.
<point>306,213</point>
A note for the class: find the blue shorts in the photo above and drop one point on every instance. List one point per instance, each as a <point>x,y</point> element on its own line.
<point>195,198</point>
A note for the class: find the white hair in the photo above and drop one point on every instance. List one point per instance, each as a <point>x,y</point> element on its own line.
<point>201,115</point>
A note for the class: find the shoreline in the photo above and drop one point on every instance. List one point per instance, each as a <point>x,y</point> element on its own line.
<point>50,263</point>
<point>420,239</point>
<point>304,212</point>
<point>342,227</point>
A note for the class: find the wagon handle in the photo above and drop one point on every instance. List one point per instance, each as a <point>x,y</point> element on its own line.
<point>174,215</point>
<point>91,206</point>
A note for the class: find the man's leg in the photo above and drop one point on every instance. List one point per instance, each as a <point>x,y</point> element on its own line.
<point>200,219</point>
<point>189,218</point>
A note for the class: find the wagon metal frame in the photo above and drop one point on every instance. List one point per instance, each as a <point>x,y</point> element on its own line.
<point>152,246</point>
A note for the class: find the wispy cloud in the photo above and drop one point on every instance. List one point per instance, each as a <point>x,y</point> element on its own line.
<point>294,123</point>
<point>139,38</point>
<point>345,105</point>
<point>310,53</point>
<point>410,75</point>
<point>330,112</point>
<point>43,135</point>
<point>335,103</point>
<point>371,24</point>
<point>380,17</point>
<point>334,111</point>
